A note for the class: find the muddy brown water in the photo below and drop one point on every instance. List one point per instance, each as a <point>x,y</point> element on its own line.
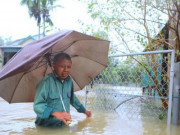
<point>18,119</point>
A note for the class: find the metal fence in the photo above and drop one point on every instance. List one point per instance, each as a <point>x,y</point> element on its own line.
<point>134,85</point>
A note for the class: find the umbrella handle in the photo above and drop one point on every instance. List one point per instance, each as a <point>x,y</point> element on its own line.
<point>59,94</point>
<point>68,122</point>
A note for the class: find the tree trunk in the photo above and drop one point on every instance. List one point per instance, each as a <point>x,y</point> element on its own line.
<point>164,65</point>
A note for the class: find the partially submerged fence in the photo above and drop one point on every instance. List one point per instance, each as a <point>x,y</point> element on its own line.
<point>134,85</point>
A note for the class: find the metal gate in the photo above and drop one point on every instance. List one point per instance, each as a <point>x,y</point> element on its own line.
<point>134,85</point>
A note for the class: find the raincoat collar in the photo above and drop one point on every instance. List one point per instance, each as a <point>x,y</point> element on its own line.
<point>58,78</point>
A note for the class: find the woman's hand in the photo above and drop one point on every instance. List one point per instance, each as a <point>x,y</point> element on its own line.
<point>88,113</point>
<point>62,116</point>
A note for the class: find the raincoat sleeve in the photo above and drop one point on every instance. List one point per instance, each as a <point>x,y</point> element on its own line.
<point>40,102</point>
<point>76,103</point>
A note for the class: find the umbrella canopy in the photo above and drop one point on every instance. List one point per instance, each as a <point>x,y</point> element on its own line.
<point>19,77</point>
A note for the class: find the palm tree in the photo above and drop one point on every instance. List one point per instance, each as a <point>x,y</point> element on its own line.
<point>39,9</point>
<point>47,6</point>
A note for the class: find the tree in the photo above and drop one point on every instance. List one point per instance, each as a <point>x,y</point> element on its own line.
<point>1,41</point>
<point>39,9</point>
<point>144,24</point>
<point>138,22</point>
<point>4,41</point>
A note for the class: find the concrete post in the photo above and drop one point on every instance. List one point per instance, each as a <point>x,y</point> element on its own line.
<point>176,94</point>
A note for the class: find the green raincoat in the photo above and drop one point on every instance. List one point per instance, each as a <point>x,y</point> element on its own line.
<point>47,100</point>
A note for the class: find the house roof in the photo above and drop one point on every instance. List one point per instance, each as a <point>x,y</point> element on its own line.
<point>19,42</point>
<point>10,48</point>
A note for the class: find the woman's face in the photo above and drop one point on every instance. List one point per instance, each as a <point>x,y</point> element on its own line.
<point>63,68</point>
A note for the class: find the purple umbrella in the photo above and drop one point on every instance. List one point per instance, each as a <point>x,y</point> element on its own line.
<point>19,77</point>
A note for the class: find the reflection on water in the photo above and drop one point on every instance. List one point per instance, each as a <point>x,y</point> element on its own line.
<point>18,119</point>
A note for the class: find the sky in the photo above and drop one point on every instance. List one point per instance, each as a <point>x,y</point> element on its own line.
<point>16,23</point>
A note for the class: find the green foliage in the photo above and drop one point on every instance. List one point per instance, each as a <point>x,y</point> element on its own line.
<point>131,26</point>
<point>5,41</point>
<point>161,116</point>
<point>177,53</point>
<point>1,41</point>
<point>119,72</point>
<point>131,22</point>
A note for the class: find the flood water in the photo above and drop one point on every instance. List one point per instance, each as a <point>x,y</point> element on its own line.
<point>18,119</point>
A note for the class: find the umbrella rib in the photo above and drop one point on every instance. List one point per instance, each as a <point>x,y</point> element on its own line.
<point>79,55</point>
<point>47,64</point>
<point>91,60</point>
<point>39,63</point>
<point>36,68</point>
<point>16,87</point>
<point>76,81</point>
<point>76,55</point>
<point>43,65</point>
<point>21,79</point>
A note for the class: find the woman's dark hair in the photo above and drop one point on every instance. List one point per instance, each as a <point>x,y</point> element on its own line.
<point>61,56</point>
